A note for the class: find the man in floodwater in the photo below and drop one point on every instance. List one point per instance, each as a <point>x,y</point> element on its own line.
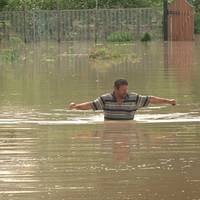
<point>120,104</point>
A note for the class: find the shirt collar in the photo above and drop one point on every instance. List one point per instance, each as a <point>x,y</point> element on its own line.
<point>114,97</point>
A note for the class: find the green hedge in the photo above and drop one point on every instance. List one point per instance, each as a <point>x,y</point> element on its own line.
<point>197,23</point>
<point>120,37</point>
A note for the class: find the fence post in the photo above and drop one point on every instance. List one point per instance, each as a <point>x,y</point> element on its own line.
<point>95,23</point>
<point>4,30</point>
<point>138,23</point>
<point>24,15</point>
<point>58,23</point>
<point>165,19</point>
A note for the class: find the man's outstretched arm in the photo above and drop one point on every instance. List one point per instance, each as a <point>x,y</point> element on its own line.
<point>159,100</point>
<point>81,106</point>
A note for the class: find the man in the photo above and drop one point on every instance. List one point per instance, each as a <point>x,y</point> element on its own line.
<point>121,105</point>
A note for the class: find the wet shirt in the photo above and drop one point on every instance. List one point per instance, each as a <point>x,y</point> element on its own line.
<point>114,110</point>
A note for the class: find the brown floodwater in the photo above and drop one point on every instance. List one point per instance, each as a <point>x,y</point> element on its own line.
<point>50,152</point>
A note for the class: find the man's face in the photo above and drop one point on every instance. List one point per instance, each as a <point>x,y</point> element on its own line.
<point>122,91</point>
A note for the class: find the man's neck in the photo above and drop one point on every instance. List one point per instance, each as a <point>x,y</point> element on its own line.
<point>118,98</point>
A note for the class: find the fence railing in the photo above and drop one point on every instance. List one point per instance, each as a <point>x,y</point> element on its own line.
<point>75,25</point>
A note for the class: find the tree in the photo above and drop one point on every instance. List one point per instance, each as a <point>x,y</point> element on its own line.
<point>3,4</point>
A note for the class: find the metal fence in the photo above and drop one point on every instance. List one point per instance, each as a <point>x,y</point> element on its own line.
<point>77,25</point>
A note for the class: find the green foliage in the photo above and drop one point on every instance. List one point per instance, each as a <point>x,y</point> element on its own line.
<point>196,4</point>
<point>112,53</point>
<point>83,4</point>
<point>11,54</point>
<point>120,37</point>
<point>29,4</point>
<point>90,4</point>
<point>8,56</point>
<point>3,3</point>
<point>16,42</point>
<point>75,4</point>
<point>102,53</point>
<point>146,37</point>
<point>197,23</point>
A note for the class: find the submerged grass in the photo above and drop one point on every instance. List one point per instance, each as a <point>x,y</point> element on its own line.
<point>110,52</point>
<point>105,56</point>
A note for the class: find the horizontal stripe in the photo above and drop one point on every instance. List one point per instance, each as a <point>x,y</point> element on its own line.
<point>119,114</point>
<point>119,110</point>
<point>110,118</point>
<point>124,110</point>
<point>124,105</point>
<point>110,100</point>
<point>126,100</point>
<point>134,100</point>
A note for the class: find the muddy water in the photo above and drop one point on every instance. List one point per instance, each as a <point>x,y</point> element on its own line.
<point>50,152</point>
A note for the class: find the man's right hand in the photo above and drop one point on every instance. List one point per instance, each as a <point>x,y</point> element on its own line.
<point>173,102</point>
<point>81,106</point>
<point>72,106</point>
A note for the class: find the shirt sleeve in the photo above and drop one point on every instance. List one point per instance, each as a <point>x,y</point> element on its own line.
<point>143,101</point>
<point>98,104</point>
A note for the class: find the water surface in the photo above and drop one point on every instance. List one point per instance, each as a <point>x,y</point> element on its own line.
<point>50,152</point>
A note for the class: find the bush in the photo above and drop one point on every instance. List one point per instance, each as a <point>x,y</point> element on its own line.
<point>146,37</point>
<point>103,53</point>
<point>9,56</point>
<point>120,37</point>
<point>197,23</point>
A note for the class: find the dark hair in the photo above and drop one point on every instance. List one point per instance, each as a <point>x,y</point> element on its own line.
<point>120,82</point>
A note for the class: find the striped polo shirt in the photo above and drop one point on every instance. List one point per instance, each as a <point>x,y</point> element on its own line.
<point>123,111</point>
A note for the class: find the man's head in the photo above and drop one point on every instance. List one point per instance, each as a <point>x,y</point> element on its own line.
<point>121,87</point>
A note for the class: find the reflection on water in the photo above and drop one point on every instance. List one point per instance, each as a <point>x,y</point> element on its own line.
<point>180,58</point>
<point>113,160</point>
<point>50,152</point>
